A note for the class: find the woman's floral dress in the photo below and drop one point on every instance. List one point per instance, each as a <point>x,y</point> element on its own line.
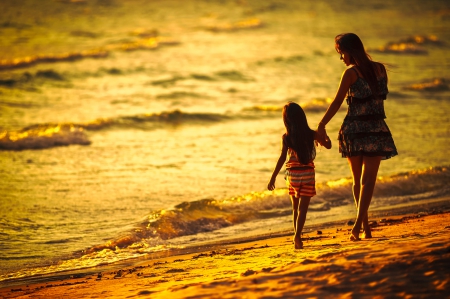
<point>364,131</point>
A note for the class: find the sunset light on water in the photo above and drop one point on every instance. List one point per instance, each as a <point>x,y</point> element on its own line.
<point>134,131</point>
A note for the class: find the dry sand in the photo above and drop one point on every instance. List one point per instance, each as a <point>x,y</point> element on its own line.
<point>409,257</point>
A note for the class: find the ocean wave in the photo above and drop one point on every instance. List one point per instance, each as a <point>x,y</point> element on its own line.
<point>143,44</point>
<point>152,120</point>
<point>433,180</point>
<point>15,25</point>
<point>32,81</point>
<point>436,84</point>
<point>412,45</point>
<point>265,8</point>
<point>288,60</point>
<point>317,105</point>
<point>50,58</point>
<point>264,108</point>
<point>20,80</point>
<point>230,75</point>
<point>208,215</point>
<point>233,76</point>
<point>138,44</point>
<point>314,105</point>
<point>48,135</point>
<point>159,230</point>
<point>239,25</point>
<point>42,137</point>
<point>179,94</point>
<point>405,187</point>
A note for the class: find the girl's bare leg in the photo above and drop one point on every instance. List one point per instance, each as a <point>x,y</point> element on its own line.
<point>370,166</point>
<point>356,165</point>
<point>295,201</point>
<point>302,210</point>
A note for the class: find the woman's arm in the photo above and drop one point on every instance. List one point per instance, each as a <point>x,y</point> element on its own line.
<point>280,162</point>
<point>347,79</point>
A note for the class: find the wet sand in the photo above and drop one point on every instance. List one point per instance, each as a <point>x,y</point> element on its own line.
<point>408,257</point>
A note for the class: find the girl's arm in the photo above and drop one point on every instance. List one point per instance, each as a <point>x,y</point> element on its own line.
<point>348,78</point>
<point>281,160</point>
<point>324,141</point>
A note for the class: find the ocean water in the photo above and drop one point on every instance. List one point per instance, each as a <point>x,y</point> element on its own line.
<point>134,127</point>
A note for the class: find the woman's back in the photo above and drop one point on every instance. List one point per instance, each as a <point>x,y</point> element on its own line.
<point>361,100</point>
<point>360,88</point>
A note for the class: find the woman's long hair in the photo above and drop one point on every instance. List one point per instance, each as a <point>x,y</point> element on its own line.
<point>352,44</point>
<point>299,135</point>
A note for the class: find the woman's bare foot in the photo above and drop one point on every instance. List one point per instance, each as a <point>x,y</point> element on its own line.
<point>354,236</point>
<point>298,243</point>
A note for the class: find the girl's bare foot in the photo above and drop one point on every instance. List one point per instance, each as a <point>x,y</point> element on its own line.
<point>298,243</point>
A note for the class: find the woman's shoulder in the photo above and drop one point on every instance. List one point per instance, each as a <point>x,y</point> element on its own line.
<point>380,69</point>
<point>351,74</point>
<point>378,64</point>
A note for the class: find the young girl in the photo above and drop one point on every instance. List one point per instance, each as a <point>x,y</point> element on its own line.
<point>298,143</point>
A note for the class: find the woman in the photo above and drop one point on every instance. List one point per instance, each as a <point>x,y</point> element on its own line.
<point>364,137</point>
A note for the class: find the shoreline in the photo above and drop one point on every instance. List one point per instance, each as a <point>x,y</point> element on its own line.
<point>441,204</point>
<point>401,241</point>
<point>438,205</point>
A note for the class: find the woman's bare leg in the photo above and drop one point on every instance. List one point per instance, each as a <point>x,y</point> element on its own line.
<point>356,165</point>
<point>370,166</point>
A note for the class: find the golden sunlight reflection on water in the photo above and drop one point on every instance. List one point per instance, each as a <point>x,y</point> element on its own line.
<point>117,115</point>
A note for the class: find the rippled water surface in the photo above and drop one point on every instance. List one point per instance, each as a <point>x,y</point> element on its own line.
<point>131,127</point>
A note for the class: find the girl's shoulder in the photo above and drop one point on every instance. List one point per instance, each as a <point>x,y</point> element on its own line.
<point>285,139</point>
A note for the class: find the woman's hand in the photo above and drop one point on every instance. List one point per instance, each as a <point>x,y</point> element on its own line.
<point>321,132</point>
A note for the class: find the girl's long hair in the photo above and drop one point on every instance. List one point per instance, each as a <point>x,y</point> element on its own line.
<point>352,44</point>
<point>299,135</point>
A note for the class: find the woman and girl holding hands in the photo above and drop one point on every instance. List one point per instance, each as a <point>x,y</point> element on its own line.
<point>364,138</point>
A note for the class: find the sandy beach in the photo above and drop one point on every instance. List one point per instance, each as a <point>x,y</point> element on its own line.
<point>140,136</point>
<point>408,257</point>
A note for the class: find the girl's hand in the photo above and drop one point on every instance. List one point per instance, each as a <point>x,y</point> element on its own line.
<point>327,142</point>
<point>271,185</point>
